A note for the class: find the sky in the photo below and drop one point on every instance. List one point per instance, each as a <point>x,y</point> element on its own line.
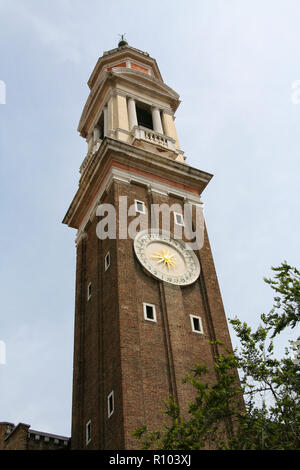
<point>234,64</point>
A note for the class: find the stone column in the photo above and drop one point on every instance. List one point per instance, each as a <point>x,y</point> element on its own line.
<point>132,113</point>
<point>90,141</point>
<point>96,133</point>
<point>122,124</point>
<point>169,127</point>
<point>110,117</point>
<point>122,114</point>
<point>157,125</point>
<point>105,120</point>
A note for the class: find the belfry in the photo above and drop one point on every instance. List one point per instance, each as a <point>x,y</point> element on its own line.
<point>147,305</point>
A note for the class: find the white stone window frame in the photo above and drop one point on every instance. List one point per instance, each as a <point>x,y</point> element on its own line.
<point>88,432</point>
<point>107,261</point>
<point>136,202</point>
<point>145,305</point>
<point>89,291</point>
<point>181,218</point>
<point>200,332</point>
<point>110,401</point>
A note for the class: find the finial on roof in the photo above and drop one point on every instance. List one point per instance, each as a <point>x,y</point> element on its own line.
<point>122,42</point>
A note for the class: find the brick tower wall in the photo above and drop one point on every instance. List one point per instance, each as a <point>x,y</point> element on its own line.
<point>116,349</point>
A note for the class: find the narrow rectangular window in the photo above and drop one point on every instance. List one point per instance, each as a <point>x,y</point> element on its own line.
<point>196,323</point>
<point>110,404</point>
<point>107,261</point>
<point>139,206</point>
<point>178,218</point>
<point>88,432</point>
<point>149,312</point>
<point>89,291</point>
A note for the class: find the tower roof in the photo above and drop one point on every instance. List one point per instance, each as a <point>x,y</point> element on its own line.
<point>120,54</point>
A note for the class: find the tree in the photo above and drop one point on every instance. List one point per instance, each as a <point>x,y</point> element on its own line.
<point>262,410</point>
<point>286,308</point>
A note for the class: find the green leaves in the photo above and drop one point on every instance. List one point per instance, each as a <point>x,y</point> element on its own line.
<point>261,410</point>
<point>286,308</point>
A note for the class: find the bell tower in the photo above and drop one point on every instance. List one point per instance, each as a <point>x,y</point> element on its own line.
<point>146,304</point>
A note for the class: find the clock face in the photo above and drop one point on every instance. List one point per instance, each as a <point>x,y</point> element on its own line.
<point>166,258</point>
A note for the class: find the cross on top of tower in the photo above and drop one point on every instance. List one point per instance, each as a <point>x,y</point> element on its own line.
<point>122,42</point>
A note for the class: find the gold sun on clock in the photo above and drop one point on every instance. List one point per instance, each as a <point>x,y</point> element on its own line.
<point>165,257</point>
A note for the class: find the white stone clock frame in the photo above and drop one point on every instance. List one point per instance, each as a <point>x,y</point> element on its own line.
<point>190,266</point>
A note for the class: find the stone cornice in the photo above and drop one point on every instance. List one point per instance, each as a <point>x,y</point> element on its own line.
<point>162,87</point>
<point>163,171</point>
<point>127,177</point>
